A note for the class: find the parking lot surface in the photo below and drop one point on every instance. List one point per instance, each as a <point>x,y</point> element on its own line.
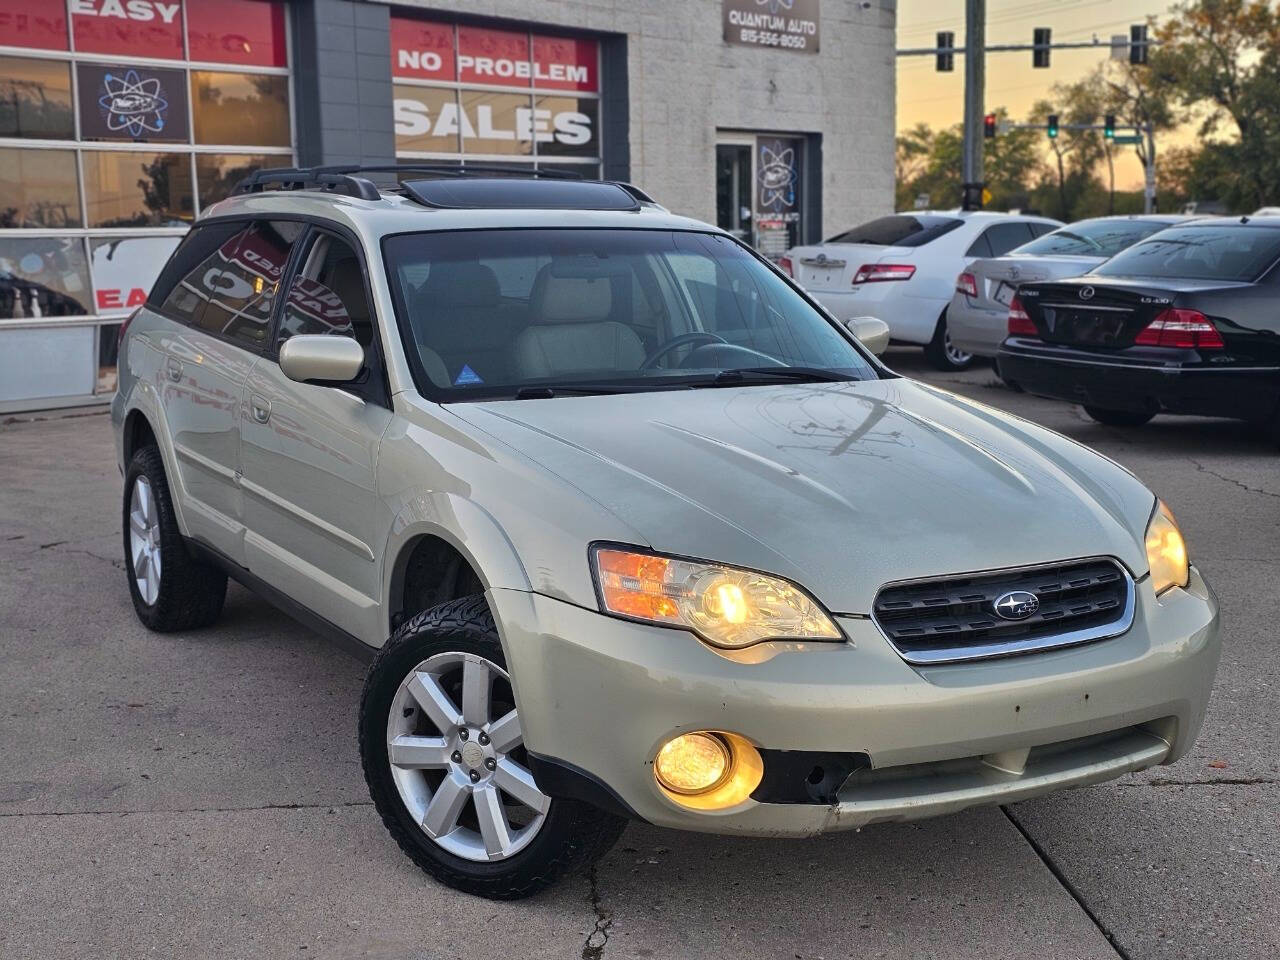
<point>200,795</point>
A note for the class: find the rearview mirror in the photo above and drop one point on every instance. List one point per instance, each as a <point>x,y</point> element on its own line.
<point>312,358</point>
<point>871,333</point>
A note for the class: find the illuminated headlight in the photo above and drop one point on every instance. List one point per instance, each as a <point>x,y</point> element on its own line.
<point>1166,551</point>
<point>726,606</point>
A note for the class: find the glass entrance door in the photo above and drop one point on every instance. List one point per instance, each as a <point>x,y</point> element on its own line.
<point>759,190</point>
<point>733,189</point>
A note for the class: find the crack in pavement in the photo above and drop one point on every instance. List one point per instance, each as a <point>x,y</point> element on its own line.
<point>599,936</point>
<point>1225,479</point>
<point>1220,782</point>
<point>126,813</point>
<point>1067,885</point>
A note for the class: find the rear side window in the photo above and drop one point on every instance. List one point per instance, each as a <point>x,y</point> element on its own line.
<point>1003,237</point>
<point>901,230</point>
<point>178,291</point>
<point>1237,252</point>
<point>1092,238</point>
<point>241,279</point>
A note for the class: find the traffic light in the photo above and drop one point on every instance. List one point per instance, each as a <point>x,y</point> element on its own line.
<point>947,59</point>
<point>1109,126</point>
<point>1040,42</point>
<point>1051,126</point>
<point>1138,43</point>
<point>989,126</point>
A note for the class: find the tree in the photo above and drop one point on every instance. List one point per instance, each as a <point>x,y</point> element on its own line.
<point>931,163</point>
<point>1223,57</point>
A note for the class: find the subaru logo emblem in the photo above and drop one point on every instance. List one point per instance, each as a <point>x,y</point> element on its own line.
<point>1086,293</point>
<point>1016,605</point>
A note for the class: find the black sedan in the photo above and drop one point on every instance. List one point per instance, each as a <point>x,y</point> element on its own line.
<point>1187,321</point>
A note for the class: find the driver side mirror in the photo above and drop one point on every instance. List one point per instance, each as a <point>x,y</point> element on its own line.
<point>319,358</point>
<point>871,333</point>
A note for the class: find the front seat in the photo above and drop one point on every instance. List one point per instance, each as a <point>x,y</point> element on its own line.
<point>570,331</point>
<point>460,316</point>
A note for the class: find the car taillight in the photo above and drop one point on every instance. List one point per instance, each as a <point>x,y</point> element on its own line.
<point>1020,324</point>
<point>1186,329</point>
<point>967,284</point>
<point>881,272</point>
<point>785,265</point>
<point>125,326</point>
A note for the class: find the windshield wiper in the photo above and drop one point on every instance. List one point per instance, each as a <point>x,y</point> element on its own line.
<point>744,375</point>
<point>549,390</point>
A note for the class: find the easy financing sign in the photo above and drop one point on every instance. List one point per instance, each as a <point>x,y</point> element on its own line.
<point>780,24</point>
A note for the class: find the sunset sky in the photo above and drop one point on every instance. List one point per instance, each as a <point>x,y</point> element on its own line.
<point>938,98</point>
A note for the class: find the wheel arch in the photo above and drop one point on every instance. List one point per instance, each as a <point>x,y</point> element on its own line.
<point>144,420</point>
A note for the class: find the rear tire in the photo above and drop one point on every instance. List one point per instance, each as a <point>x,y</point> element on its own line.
<point>545,837</point>
<point>170,590</point>
<point>944,355</point>
<point>1118,418</point>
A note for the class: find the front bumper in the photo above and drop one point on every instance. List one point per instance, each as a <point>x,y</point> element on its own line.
<point>1139,380</point>
<point>602,695</point>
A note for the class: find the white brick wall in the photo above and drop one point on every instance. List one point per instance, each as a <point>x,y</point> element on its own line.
<point>686,82</point>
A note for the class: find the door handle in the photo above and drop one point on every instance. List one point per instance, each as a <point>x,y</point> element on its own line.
<point>173,367</point>
<point>260,407</point>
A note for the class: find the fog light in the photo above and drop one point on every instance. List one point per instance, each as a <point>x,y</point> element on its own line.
<point>693,763</point>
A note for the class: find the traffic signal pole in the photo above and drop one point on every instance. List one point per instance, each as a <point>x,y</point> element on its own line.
<point>975,29</point>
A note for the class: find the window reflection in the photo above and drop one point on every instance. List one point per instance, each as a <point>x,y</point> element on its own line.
<point>43,277</point>
<point>498,123</point>
<point>38,188</point>
<point>125,268</point>
<point>218,173</point>
<point>240,108</point>
<point>426,119</point>
<point>136,189</point>
<point>35,99</point>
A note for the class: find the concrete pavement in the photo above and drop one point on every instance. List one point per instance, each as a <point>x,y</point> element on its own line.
<point>201,795</point>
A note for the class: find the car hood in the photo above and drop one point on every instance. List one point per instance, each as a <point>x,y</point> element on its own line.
<point>840,487</point>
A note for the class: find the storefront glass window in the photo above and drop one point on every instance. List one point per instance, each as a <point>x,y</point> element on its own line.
<point>35,99</point>
<point>136,189</point>
<point>34,23</point>
<point>43,277</point>
<point>249,32</point>
<point>38,188</point>
<point>426,119</point>
<point>240,108</point>
<point>567,126</point>
<point>125,268</point>
<point>218,173</point>
<point>496,122</point>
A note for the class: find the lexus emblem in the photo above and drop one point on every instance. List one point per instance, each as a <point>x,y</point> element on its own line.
<point>1016,605</point>
<point>1086,293</point>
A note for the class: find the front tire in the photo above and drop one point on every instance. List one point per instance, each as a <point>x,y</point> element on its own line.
<point>944,355</point>
<point>1118,418</point>
<point>170,590</point>
<point>443,754</point>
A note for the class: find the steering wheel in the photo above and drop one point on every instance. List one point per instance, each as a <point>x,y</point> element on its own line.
<point>684,339</point>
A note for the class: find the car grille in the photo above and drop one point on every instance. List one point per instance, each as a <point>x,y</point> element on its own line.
<point>950,619</point>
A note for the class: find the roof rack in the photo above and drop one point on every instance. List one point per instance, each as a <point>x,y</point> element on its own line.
<point>346,179</point>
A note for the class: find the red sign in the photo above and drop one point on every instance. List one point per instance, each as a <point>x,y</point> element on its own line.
<point>119,299</point>
<point>33,23</point>
<point>139,28</point>
<point>422,50</point>
<point>425,50</point>
<point>250,32</point>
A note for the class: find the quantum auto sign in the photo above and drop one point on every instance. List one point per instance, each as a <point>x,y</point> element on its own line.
<point>780,24</point>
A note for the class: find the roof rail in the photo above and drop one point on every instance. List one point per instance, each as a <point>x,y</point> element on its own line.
<point>446,169</point>
<point>307,178</point>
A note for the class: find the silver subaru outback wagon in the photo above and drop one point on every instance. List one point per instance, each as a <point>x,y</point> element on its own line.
<point>630,527</point>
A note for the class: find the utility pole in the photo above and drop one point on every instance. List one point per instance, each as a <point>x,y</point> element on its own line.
<point>1149,190</point>
<point>975,30</point>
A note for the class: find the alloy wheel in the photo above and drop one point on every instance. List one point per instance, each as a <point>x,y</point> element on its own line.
<point>954,353</point>
<point>458,761</point>
<point>144,540</point>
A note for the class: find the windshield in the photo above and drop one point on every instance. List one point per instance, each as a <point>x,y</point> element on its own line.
<point>902,230</point>
<point>535,313</point>
<point>1235,252</point>
<point>1091,238</point>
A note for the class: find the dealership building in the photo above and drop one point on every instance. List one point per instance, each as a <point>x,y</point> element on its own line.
<point>123,120</point>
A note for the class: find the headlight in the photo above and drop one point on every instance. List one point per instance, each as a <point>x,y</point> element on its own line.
<point>1166,551</point>
<point>727,606</point>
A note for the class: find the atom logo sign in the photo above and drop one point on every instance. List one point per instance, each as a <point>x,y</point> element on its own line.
<point>132,103</point>
<point>777,177</point>
<point>777,6</point>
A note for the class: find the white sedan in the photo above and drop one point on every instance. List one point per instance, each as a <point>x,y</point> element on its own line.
<point>902,269</point>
